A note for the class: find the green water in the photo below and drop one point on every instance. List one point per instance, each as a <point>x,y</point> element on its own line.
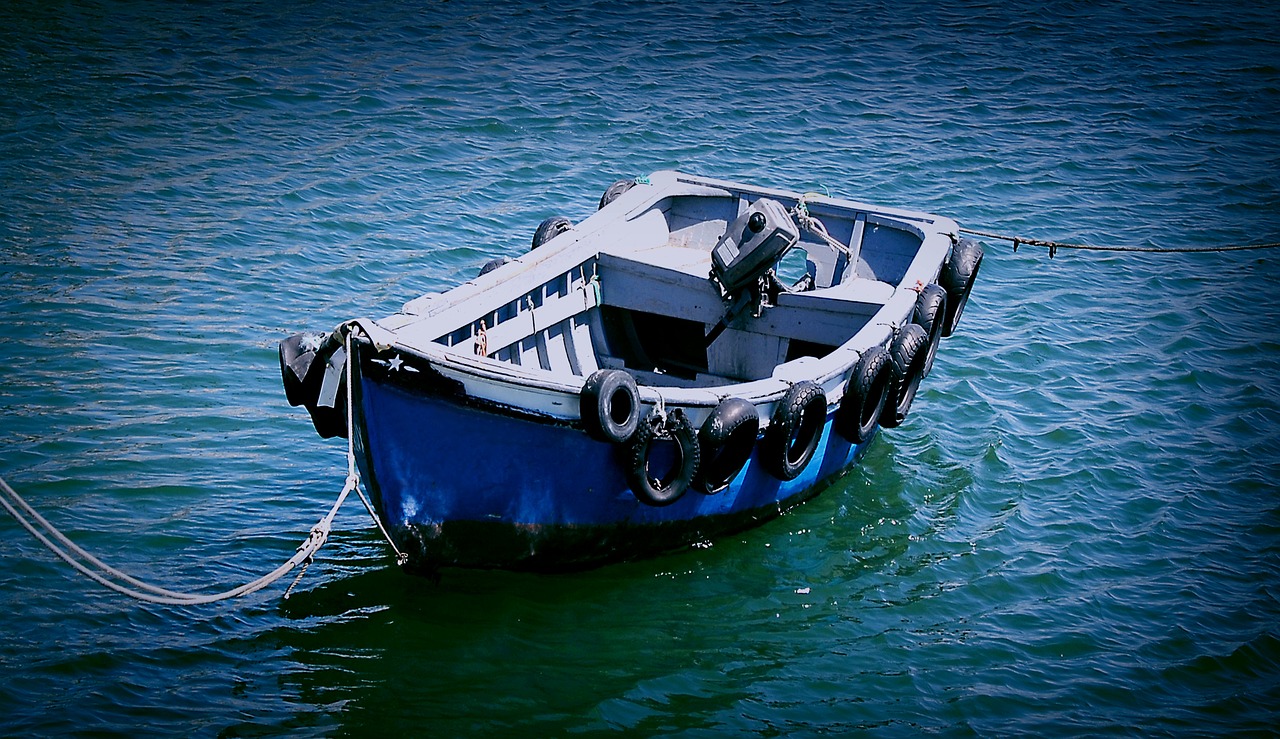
<point>1077,531</point>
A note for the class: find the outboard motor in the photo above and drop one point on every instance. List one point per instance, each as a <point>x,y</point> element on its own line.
<point>312,367</point>
<point>754,242</point>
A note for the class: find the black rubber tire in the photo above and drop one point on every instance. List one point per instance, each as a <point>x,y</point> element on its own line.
<point>906,362</point>
<point>612,192</point>
<point>493,264</point>
<point>302,370</point>
<point>957,278</point>
<point>610,406</point>
<point>864,396</point>
<point>549,229</point>
<point>294,365</point>
<point>726,441</point>
<point>331,422</point>
<point>794,431</point>
<point>930,314</point>
<point>669,489</point>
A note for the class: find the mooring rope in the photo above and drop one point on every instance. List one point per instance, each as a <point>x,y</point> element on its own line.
<point>401,557</point>
<point>104,574</point>
<point>110,577</point>
<point>1054,246</point>
<point>816,227</point>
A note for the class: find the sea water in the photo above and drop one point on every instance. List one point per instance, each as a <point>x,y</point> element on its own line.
<point>1077,530</point>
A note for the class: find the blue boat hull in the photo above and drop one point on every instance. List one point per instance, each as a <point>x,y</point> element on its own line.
<point>459,484</point>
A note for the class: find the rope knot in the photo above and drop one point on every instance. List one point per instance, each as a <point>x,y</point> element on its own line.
<point>659,417</point>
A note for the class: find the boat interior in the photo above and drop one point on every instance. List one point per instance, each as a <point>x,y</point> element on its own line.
<point>644,298</point>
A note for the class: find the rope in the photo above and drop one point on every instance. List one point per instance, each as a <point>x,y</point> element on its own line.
<point>816,227</point>
<point>111,578</point>
<point>107,576</point>
<point>1054,246</point>
<point>401,557</point>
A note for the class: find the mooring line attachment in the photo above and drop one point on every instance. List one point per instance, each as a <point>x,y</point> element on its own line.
<point>352,472</point>
<point>1054,246</point>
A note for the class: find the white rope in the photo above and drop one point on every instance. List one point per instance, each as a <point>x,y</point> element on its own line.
<point>401,557</point>
<point>109,577</point>
<point>125,584</point>
<point>814,226</point>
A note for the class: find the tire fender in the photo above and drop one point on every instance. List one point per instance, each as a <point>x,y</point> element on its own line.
<point>725,442</point>
<point>549,229</point>
<point>610,406</point>
<point>864,396</point>
<point>907,354</point>
<point>931,315</point>
<point>794,431</point>
<point>667,489</point>
<point>493,264</point>
<point>615,190</point>
<point>957,278</point>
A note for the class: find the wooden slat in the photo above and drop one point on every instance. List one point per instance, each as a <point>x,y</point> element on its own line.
<point>553,311</point>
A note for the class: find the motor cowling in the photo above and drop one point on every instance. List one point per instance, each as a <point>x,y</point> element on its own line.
<point>753,243</point>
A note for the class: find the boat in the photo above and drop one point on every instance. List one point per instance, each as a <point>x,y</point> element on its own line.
<point>693,359</point>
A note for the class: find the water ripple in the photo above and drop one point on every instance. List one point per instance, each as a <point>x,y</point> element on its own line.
<point>1074,532</point>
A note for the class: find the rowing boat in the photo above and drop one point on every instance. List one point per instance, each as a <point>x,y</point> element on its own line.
<point>695,358</point>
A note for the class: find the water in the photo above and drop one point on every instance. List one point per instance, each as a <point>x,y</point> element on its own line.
<point>1077,531</point>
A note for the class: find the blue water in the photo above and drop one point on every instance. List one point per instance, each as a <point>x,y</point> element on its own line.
<point>1077,531</point>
